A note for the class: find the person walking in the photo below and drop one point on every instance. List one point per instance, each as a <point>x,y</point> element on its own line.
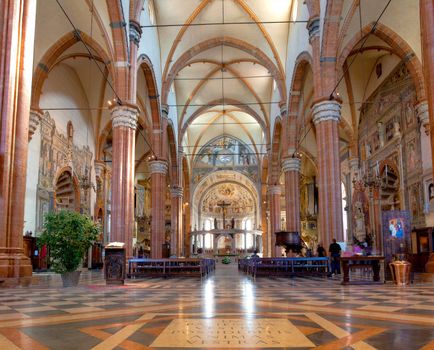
<point>335,253</point>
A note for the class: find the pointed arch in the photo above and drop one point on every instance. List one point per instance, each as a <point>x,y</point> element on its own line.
<point>400,47</point>
<point>52,55</point>
<point>145,64</point>
<point>226,41</point>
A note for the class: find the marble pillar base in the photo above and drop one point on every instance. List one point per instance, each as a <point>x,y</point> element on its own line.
<point>15,270</point>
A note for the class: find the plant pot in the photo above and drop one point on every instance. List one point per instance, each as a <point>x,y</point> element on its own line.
<point>71,278</point>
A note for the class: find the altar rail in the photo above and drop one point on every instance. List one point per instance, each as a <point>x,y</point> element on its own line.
<point>138,267</point>
<point>285,266</point>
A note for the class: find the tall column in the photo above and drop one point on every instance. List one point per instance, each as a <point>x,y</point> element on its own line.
<point>291,169</point>
<point>326,116</point>
<point>427,32</point>
<point>16,46</point>
<point>124,123</point>
<point>158,189</point>
<point>274,195</point>
<point>176,220</point>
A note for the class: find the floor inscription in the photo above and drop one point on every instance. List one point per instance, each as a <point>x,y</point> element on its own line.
<point>231,333</point>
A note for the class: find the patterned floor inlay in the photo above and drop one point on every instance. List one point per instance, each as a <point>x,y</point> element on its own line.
<point>225,311</point>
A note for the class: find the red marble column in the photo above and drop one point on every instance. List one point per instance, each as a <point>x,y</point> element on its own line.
<point>274,199</point>
<point>124,123</point>
<point>326,116</point>
<point>16,44</point>
<point>158,190</point>
<point>176,220</point>
<point>427,34</point>
<point>291,169</point>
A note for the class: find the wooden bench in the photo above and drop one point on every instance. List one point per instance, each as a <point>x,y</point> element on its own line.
<point>285,266</point>
<point>139,267</point>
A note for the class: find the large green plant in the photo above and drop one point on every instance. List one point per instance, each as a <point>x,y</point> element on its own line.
<point>68,236</point>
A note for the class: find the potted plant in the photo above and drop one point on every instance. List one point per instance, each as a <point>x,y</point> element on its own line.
<point>68,236</point>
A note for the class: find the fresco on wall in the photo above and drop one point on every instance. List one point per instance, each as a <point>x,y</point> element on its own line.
<point>58,151</point>
<point>389,131</point>
<point>225,152</point>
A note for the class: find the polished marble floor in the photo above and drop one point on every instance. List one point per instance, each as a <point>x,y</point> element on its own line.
<point>227,310</point>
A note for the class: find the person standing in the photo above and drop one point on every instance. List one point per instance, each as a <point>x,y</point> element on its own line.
<point>335,253</point>
<point>320,251</point>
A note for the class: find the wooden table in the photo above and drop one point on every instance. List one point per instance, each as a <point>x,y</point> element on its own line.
<point>361,262</point>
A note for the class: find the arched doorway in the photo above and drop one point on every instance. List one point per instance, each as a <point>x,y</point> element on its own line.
<point>66,193</point>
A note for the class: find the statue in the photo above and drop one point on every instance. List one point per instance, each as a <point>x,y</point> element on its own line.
<point>359,216</point>
<point>215,224</point>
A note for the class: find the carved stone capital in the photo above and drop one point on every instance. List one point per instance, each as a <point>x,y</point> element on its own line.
<point>313,28</point>
<point>158,167</point>
<point>177,191</point>
<point>135,32</point>
<point>291,164</point>
<point>99,168</point>
<point>165,111</point>
<point>124,116</point>
<point>274,190</point>
<point>34,120</point>
<point>354,164</point>
<point>283,110</point>
<point>422,114</point>
<point>326,110</point>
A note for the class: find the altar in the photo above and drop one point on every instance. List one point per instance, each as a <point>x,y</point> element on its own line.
<point>371,262</point>
<point>224,242</point>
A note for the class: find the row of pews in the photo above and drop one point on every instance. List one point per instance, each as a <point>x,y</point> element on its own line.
<point>140,267</point>
<point>281,267</point>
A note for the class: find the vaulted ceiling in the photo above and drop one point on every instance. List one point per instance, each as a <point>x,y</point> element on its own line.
<point>227,77</point>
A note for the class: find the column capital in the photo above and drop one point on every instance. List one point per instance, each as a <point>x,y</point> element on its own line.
<point>283,109</point>
<point>313,28</point>
<point>99,167</point>
<point>274,190</point>
<point>326,110</point>
<point>158,167</point>
<point>422,112</point>
<point>124,116</point>
<point>291,164</point>
<point>353,163</point>
<point>165,111</point>
<point>135,32</point>
<point>177,191</point>
<point>34,119</point>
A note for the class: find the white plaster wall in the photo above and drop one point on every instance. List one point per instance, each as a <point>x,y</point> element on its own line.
<point>32,182</point>
<point>63,89</point>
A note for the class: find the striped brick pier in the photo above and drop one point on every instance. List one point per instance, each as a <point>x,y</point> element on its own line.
<point>326,116</point>
<point>291,169</point>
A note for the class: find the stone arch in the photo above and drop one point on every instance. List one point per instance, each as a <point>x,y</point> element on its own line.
<point>400,47</point>
<point>75,182</point>
<point>313,7</point>
<point>50,58</point>
<point>172,150</point>
<point>302,63</point>
<point>145,64</point>
<point>182,61</point>
<point>227,102</point>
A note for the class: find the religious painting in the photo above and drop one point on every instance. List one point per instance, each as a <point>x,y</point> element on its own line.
<point>396,234</point>
<point>389,130</point>
<point>409,114</point>
<point>412,155</point>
